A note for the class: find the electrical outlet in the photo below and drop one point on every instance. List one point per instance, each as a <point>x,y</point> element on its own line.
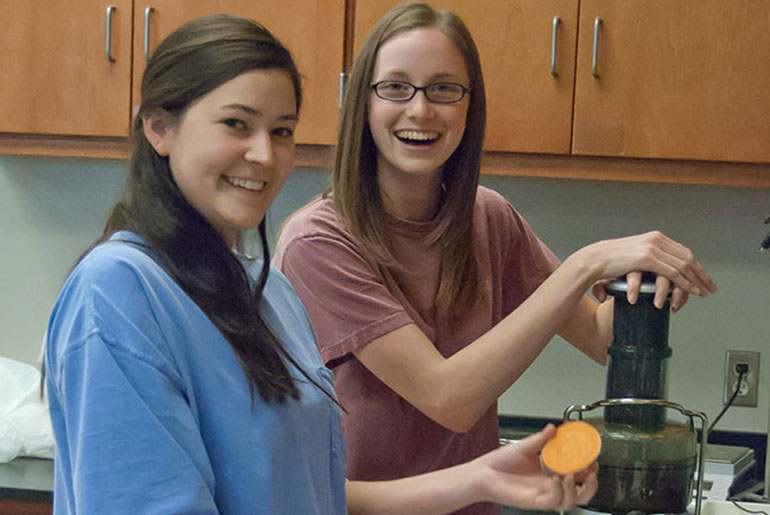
<point>748,389</point>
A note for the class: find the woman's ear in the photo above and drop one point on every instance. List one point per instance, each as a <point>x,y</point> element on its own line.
<point>158,130</point>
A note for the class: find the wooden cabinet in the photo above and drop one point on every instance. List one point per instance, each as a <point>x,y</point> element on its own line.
<point>678,83</point>
<point>14,507</point>
<point>57,79</point>
<point>313,30</point>
<point>680,79</point>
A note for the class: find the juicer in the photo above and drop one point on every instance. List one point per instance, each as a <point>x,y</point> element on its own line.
<point>647,463</point>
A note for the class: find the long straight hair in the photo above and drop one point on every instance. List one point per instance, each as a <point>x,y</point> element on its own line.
<point>354,188</point>
<point>192,61</point>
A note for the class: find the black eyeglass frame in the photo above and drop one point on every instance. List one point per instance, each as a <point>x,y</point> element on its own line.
<point>424,89</point>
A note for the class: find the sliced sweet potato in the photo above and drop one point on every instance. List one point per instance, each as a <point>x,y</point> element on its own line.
<point>574,447</point>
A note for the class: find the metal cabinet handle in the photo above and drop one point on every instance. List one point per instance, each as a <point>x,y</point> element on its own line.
<point>553,45</point>
<point>147,11</point>
<point>343,80</point>
<point>594,70</point>
<point>108,34</point>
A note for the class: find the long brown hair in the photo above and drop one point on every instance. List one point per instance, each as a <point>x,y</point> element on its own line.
<point>354,186</point>
<point>192,61</point>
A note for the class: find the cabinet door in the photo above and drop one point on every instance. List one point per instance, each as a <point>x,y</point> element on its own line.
<point>313,30</point>
<point>529,109</point>
<point>56,78</point>
<point>679,79</point>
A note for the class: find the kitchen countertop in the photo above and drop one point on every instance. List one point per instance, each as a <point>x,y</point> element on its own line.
<point>27,479</point>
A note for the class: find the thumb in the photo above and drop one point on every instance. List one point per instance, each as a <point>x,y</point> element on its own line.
<point>598,291</point>
<point>535,442</point>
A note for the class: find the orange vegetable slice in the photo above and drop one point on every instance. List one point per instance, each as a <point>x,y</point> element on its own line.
<point>574,447</point>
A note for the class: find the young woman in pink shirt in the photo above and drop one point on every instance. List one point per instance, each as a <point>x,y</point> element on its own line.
<point>429,294</point>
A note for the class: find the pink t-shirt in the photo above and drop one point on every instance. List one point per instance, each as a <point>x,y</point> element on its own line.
<point>352,303</point>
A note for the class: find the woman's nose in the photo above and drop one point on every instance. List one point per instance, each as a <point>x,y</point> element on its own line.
<point>419,106</point>
<point>260,149</point>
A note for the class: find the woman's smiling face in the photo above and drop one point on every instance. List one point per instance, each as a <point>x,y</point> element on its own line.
<point>417,136</point>
<point>232,150</point>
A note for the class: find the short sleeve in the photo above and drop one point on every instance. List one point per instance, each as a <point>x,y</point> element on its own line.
<point>528,261</point>
<point>347,300</point>
<point>127,440</point>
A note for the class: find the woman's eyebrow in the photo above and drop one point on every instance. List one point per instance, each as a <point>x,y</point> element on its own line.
<point>255,112</point>
<point>403,76</point>
<point>244,108</point>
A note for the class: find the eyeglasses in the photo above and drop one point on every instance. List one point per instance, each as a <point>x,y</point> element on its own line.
<point>438,92</point>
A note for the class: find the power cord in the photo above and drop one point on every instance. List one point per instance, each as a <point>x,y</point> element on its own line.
<point>742,369</point>
<point>758,512</point>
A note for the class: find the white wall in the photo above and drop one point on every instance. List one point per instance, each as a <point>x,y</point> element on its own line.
<point>50,209</point>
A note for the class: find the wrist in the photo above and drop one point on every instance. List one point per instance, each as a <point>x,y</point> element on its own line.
<point>584,266</point>
<point>477,486</point>
<point>481,483</point>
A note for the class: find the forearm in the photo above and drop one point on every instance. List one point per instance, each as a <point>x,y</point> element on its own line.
<point>476,376</point>
<point>589,328</point>
<point>437,492</point>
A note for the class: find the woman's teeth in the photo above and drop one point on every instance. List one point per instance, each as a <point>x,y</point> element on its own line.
<point>246,183</point>
<point>417,136</point>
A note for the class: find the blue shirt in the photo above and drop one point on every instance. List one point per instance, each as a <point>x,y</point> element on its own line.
<point>152,411</point>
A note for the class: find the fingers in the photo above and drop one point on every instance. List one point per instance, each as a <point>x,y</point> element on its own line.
<point>679,298</point>
<point>557,493</point>
<point>574,494</point>
<point>586,491</point>
<point>707,285</point>
<point>581,476</point>
<point>683,268</point>
<point>569,493</point>
<point>662,286</point>
<point>577,494</point>
<point>634,282</point>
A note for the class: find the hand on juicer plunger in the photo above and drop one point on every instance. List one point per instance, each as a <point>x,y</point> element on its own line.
<point>672,262</point>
